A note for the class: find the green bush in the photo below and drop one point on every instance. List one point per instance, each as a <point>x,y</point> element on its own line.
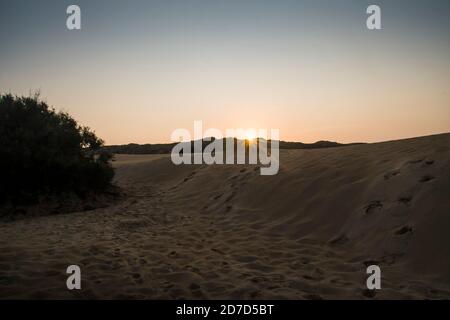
<point>46,152</point>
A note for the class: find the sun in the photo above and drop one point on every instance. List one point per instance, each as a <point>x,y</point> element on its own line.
<point>250,135</point>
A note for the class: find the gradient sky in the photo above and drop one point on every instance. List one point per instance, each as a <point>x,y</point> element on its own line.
<point>140,69</point>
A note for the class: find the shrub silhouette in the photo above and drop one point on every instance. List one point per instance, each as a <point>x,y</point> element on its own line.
<point>46,152</point>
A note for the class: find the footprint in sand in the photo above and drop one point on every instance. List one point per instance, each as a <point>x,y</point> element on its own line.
<point>230,197</point>
<point>405,200</point>
<point>391,174</point>
<point>172,254</point>
<point>137,277</point>
<point>426,178</point>
<point>190,176</point>
<point>218,251</point>
<point>373,206</point>
<point>404,230</point>
<point>218,197</point>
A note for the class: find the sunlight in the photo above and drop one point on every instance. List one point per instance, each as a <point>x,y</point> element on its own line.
<point>250,135</point>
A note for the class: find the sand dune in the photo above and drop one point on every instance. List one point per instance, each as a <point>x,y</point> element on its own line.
<point>220,232</point>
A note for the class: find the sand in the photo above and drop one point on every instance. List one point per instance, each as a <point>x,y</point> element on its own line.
<point>221,232</point>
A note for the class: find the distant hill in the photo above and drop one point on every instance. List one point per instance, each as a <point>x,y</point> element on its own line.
<point>164,148</point>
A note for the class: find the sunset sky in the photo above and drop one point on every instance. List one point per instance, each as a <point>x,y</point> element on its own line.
<point>140,69</point>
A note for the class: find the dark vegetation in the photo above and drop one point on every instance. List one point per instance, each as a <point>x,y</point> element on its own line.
<point>47,153</point>
<point>134,148</point>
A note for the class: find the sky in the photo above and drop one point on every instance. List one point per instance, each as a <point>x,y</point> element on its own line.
<point>137,70</point>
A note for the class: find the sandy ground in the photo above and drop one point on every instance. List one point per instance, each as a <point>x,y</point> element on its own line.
<point>224,232</point>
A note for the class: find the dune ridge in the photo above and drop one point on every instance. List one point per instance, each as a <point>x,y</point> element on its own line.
<point>225,231</point>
